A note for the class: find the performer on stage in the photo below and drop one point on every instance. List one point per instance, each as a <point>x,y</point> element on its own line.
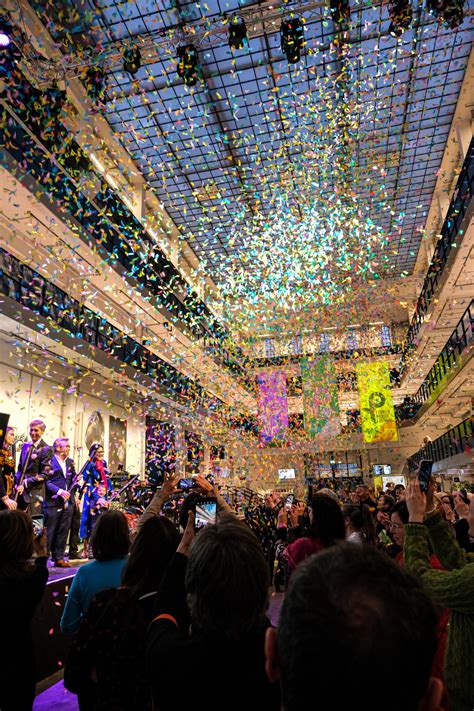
<point>59,504</point>
<point>96,472</point>
<point>7,471</point>
<point>33,468</point>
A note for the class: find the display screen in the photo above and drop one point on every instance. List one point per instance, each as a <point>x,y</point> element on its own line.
<point>382,469</point>
<point>286,474</point>
<point>206,512</point>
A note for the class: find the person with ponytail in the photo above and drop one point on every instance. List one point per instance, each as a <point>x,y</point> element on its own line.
<point>359,523</point>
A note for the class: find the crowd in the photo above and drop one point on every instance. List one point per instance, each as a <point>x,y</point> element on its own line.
<point>378,604</point>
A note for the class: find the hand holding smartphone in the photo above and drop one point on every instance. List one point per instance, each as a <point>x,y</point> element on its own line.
<point>424,474</point>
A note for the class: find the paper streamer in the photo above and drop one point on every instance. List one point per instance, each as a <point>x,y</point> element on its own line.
<point>376,402</point>
<point>320,396</point>
<point>272,406</point>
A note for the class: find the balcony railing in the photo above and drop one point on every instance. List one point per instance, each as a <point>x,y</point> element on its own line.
<point>447,242</point>
<point>27,287</point>
<point>106,219</point>
<point>457,440</point>
<point>460,339</point>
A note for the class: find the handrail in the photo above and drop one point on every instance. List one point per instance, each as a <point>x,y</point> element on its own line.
<point>90,215</point>
<point>461,337</point>
<point>457,440</point>
<point>445,245</point>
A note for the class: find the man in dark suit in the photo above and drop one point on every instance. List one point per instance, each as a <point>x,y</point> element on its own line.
<point>33,469</point>
<point>60,500</point>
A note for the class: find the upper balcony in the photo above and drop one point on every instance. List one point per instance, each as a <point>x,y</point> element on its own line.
<point>448,286</point>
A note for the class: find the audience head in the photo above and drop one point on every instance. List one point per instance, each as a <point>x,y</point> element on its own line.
<point>385,502</point>
<point>357,517</point>
<point>16,542</point>
<point>353,620</point>
<point>362,492</point>
<point>326,519</point>
<point>399,518</point>
<point>151,551</point>
<point>110,538</point>
<point>329,492</point>
<point>399,492</point>
<point>37,428</point>
<point>227,580</point>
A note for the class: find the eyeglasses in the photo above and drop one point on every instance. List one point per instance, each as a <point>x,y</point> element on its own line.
<point>395,525</point>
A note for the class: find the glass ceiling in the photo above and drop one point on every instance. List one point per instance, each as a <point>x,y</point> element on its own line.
<point>217,154</point>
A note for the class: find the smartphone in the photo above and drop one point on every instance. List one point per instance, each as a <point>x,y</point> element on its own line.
<point>186,483</point>
<point>424,474</point>
<point>38,524</point>
<point>464,496</point>
<point>205,513</point>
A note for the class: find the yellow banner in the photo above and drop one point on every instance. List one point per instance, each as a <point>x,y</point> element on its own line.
<point>376,402</point>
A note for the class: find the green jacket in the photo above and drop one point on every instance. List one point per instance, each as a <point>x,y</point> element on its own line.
<point>452,588</point>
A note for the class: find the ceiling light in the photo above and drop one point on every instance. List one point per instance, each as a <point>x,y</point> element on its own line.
<point>97,163</point>
<point>5,33</point>
<point>451,12</point>
<point>188,64</point>
<point>341,11</point>
<point>132,60</point>
<point>291,34</point>
<point>401,14</point>
<point>237,32</point>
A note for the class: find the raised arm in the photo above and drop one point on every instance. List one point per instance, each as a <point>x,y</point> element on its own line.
<point>156,504</point>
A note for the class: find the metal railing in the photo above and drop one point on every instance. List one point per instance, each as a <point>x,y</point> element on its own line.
<point>113,226</point>
<point>445,245</point>
<point>457,440</point>
<point>459,340</point>
<point>30,289</point>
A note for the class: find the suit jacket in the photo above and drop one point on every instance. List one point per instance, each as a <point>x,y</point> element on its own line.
<point>38,465</point>
<point>56,480</point>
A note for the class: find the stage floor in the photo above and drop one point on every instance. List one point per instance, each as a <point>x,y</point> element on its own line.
<point>60,573</point>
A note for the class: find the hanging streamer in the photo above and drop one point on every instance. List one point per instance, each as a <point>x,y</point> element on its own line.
<point>272,406</point>
<point>376,402</point>
<point>320,396</point>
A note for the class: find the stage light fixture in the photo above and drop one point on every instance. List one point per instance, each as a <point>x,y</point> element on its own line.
<point>237,32</point>
<point>132,60</point>
<point>5,33</point>
<point>94,82</point>
<point>341,11</point>
<point>401,14</point>
<point>188,64</point>
<point>450,12</point>
<point>292,38</point>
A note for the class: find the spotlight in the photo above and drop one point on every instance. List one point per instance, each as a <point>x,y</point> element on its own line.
<point>6,32</point>
<point>237,32</point>
<point>451,12</point>
<point>291,34</point>
<point>341,11</point>
<point>401,14</point>
<point>95,83</point>
<point>132,60</point>
<point>187,64</point>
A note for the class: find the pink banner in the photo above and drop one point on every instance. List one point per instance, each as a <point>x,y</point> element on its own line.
<point>272,406</point>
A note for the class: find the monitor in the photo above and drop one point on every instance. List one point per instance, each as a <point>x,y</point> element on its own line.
<point>286,474</point>
<point>382,469</point>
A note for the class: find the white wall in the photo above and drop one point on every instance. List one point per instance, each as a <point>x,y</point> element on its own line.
<point>31,389</point>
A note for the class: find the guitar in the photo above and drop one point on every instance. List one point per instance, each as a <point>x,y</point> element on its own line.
<point>119,492</point>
